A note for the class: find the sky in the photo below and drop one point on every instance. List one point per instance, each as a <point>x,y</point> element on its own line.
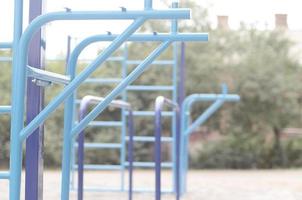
<point>257,12</point>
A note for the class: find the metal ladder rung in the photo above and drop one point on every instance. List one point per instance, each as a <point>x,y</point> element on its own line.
<point>4,175</point>
<point>100,189</point>
<point>150,164</point>
<point>6,59</point>
<point>6,45</point>
<point>106,123</point>
<point>149,139</point>
<point>101,145</point>
<point>115,58</point>
<point>157,62</point>
<point>5,109</point>
<point>149,113</point>
<point>103,81</point>
<point>111,59</point>
<point>150,88</point>
<point>100,167</point>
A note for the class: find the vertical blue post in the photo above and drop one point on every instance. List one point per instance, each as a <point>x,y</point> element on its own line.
<point>15,143</point>
<point>148,4</point>
<point>35,101</point>
<point>181,97</point>
<point>174,30</point>
<point>124,120</point>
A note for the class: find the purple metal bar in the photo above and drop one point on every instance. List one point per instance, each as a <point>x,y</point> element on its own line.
<point>35,102</point>
<point>182,75</point>
<point>86,101</point>
<point>159,104</point>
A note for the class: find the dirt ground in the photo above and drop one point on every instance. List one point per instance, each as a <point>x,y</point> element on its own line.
<point>202,185</point>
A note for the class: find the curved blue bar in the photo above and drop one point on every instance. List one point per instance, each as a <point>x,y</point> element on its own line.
<point>187,129</point>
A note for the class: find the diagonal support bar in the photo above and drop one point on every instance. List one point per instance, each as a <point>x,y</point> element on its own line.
<point>114,93</point>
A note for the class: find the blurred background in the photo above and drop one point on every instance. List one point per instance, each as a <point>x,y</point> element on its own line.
<point>254,47</point>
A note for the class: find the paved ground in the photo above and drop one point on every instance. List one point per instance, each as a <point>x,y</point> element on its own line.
<point>205,184</point>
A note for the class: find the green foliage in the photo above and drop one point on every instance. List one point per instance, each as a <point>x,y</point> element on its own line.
<point>244,151</point>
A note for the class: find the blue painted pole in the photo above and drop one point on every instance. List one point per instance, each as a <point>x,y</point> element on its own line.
<point>15,143</point>
<point>35,103</point>
<point>174,31</point>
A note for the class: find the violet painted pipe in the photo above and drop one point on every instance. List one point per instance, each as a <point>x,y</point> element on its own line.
<point>86,101</point>
<point>35,103</point>
<point>159,104</point>
<point>130,153</point>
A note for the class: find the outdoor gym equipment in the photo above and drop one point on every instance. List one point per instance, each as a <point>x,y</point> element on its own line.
<point>21,71</point>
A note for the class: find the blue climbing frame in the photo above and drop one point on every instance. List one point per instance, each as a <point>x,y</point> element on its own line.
<point>21,44</point>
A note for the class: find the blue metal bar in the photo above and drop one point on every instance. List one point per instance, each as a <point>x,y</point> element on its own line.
<point>99,167</point>
<point>101,145</point>
<point>5,59</point>
<point>174,31</point>
<point>4,175</point>
<point>159,37</point>
<point>106,123</point>
<point>103,80</point>
<point>5,109</point>
<point>156,62</point>
<point>150,164</point>
<point>148,4</point>
<point>86,101</point>
<point>6,45</point>
<point>151,113</point>
<point>150,139</point>
<point>124,119</point>
<point>150,88</point>
<point>159,104</point>
<point>15,143</point>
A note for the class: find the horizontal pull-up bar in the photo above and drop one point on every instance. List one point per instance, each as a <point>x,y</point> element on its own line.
<point>46,76</point>
<point>218,99</point>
